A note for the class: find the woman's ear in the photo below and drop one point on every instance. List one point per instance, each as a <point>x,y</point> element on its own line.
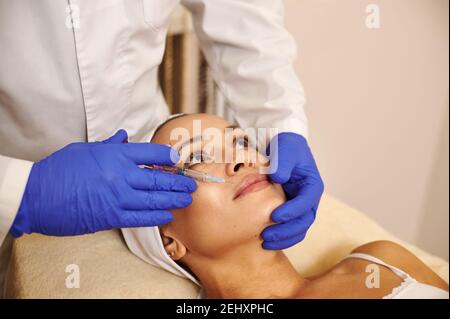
<point>173,247</point>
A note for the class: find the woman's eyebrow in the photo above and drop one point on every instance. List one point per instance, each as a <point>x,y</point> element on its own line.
<point>199,137</point>
<point>191,140</point>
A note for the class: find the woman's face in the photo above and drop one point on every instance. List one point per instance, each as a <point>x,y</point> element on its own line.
<point>222,215</point>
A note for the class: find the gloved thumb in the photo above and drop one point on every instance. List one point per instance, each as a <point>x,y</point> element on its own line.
<point>118,138</point>
<point>282,158</point>
<point>283,173</point>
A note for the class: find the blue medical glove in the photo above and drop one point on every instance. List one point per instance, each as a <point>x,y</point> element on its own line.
<point>298,173</point>
<point>87,187</point>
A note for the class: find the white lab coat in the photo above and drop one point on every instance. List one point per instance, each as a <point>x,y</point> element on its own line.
<point>59,85</point>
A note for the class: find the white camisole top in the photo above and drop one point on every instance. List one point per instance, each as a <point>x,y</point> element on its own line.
<point>409,288</point>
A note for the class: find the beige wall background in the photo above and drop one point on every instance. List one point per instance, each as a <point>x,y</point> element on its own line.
<point>378,106</point>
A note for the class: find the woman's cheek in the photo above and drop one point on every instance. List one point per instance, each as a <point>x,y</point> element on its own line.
<point>207,206</point>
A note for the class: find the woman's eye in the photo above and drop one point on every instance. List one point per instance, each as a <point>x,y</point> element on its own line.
<point>242,142</point>
<point>197,157</point>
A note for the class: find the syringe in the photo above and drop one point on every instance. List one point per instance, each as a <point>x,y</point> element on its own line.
<point>198,175</point>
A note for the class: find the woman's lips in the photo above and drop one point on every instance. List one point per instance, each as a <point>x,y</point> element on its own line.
<point>251,183</point>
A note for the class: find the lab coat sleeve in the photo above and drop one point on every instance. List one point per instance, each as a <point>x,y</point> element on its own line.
<point>251,55</point>
<point>13,179</point>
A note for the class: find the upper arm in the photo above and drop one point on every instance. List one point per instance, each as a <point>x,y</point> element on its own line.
<point>251,55</point>
<point>398,256</point>
<point>244,41</point>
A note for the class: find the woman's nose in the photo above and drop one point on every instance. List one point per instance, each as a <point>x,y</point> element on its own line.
<point>233,168</point>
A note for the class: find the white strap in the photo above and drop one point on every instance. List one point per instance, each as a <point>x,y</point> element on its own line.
<point>375,260</point>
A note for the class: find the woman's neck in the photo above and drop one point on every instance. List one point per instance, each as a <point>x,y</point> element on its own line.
<point>248,272</point>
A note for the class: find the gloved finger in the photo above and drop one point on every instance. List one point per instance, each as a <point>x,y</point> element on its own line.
<point>284,156</point>
<point>144,218</point>
<point>144,200</point>
<point>308,196</point>
<point>284,166</point>
<point>278,245</point>
<point>147,179</point>
<point>279,232</point>
<point>150,153</point>
<point>119,137</point>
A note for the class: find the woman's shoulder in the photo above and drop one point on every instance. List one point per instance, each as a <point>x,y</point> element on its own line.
<point>398,256</point>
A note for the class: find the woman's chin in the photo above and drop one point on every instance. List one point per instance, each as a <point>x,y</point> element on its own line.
<point>263,202</point>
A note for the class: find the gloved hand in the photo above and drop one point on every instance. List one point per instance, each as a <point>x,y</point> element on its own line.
<point>298,173</point>
<point>87,187</point>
